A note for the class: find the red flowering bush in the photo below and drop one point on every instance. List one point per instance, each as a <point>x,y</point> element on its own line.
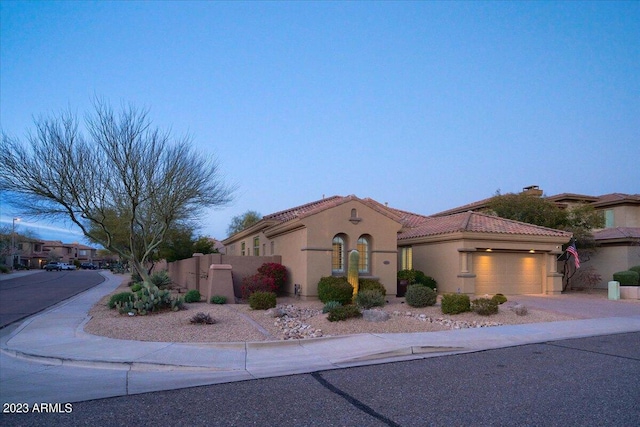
<point>257,283</point>
<point>275,271</point>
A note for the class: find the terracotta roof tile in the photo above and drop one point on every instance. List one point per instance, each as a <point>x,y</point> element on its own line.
<point>479,223</point>
<point>293,213</point>
<point>617,233</point>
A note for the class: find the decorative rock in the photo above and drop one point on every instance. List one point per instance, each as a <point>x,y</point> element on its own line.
<point>520,310</point>
<point>275,312</point>
<point>375,315</point>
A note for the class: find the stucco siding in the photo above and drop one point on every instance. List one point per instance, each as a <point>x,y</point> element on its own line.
<point>611,259</point>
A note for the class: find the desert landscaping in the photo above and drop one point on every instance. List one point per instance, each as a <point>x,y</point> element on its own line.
<point>291,319</point>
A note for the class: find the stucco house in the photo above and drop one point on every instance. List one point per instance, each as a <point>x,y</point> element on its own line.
<point>470,252</point>
<point>619,240</point>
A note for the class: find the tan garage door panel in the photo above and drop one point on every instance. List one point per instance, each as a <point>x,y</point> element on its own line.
<point>508,273</point>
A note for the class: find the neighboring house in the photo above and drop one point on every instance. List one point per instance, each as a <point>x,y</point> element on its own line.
<point>70,252</point>
<point>618,243</point>
<point>471,253</point>
<point>30,253</point>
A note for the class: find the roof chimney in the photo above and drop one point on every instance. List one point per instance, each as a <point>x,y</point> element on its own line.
<point>532,190</point>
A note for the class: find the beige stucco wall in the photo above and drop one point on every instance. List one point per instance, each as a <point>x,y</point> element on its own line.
<point>289,247</point>
<point>452,260</point>
<point>626,216</point>
<point>611,259</point>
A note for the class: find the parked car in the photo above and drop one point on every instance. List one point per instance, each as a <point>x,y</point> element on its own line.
<point>88,266</point>
<point>66,266</point>
<point>53,266</point>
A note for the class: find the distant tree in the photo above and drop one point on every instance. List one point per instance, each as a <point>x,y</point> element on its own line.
<point>528,208</point>
<point>204,245</point>
<point>5,242</point>
<point>177,245</point>
<point>241,222</point>
<point>121,171</point>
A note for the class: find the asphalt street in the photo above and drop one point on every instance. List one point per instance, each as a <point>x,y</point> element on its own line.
<point>578,382</point>
<point>23,296</point>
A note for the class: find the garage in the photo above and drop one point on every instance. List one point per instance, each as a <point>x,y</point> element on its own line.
<point>508,273</point>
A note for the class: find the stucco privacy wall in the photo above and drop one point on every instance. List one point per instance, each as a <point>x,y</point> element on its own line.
<point>192,272</point>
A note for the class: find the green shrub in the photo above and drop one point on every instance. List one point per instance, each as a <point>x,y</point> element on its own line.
<point>424,280</point>
<point>344,312</point>
<point>135,277</point>
<point>485,306</point>
<point>420,296</point>
<point>335,289</point>
<point>626,278</point>
<point>455,303</point>
<point>635,268</point>
<point>371,285</point>
<point>120,297</point>
<point>408,275</point>
<point>218,299</point>
<point>136,287</point>
<point>369,298</point>
<point>161,279</point>
<point>330,305</point>
<point>417,277</point>
<point>192,296</point>
<point>262,300</point>
<point>4,269</point>
<point>499,298</point>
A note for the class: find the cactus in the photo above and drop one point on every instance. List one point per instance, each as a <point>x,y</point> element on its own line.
<point>352,275</point>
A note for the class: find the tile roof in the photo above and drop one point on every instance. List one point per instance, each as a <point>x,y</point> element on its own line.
<point>615,198</point>
<point>329,202</point>
<point>617,233</point>
<point>416,225</point>
<point>293,213</point>
<point>464,208</point>
<point>479,223</point>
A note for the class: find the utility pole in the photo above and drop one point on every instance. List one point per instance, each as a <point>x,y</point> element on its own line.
<point>13,242</point>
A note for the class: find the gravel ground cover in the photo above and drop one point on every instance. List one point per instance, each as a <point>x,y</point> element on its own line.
<point>304,319</point>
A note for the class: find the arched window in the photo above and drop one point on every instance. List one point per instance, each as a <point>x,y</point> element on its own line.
<point>337,255</point>
<point>364,245</point>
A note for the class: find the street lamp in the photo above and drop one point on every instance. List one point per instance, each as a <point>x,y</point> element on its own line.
<point>13,242</point>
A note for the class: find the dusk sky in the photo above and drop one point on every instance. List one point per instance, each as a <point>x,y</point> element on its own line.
<point>424,105</point>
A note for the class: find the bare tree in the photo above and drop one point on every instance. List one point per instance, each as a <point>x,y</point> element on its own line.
<point>123,171</point>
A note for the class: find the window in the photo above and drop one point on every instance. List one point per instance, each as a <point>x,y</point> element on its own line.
<point>242,246</point>
<point>337,255</point>
<point>608,218</point>
<point>363,248</point>
<point>273,246</point>
<point>406,261</point>
<point>256,246</point>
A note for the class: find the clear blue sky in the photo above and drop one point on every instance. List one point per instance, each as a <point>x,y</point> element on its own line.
<point>424,105</point>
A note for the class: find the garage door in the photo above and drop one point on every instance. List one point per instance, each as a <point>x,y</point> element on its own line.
<point>508,273</point>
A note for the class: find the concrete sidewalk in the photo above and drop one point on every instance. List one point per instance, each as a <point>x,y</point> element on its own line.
<point>49,358</point>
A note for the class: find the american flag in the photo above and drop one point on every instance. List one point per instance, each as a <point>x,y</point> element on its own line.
<point>574,251</point>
